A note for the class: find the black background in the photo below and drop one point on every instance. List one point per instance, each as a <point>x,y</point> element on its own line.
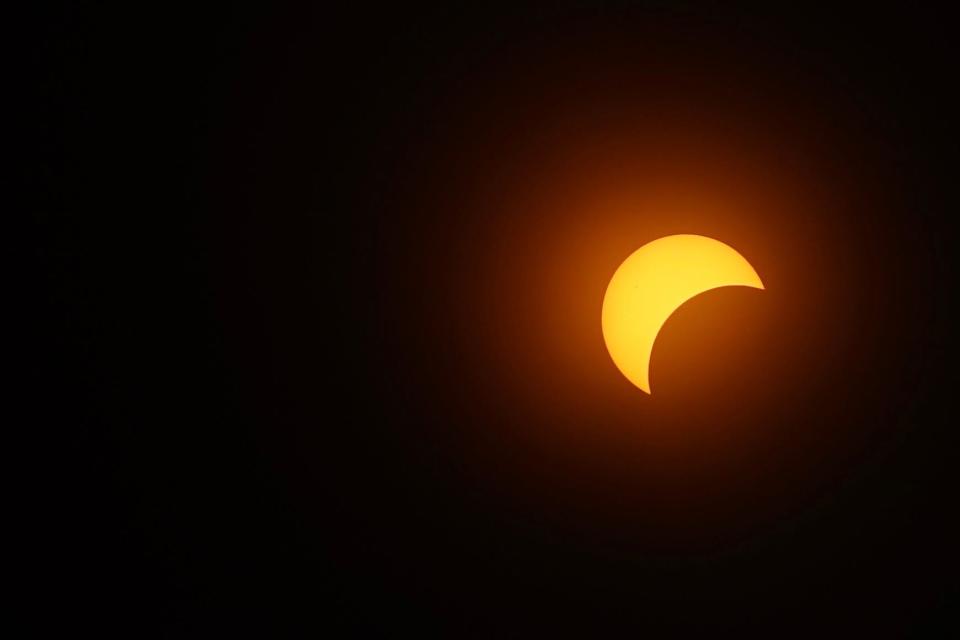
<point>249,424</point>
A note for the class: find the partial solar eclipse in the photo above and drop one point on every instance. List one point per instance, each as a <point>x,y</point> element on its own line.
<point>652,283</point>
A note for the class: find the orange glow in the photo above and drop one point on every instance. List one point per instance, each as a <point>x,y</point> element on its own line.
<point>649,286</point>
<point>528,201</point>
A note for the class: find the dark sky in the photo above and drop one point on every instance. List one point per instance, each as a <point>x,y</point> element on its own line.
<point>313,304</point>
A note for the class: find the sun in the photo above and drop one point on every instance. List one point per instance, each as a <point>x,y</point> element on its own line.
<point>652,283</point>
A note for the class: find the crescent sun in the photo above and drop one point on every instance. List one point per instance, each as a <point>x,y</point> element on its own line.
<point>652,283</point>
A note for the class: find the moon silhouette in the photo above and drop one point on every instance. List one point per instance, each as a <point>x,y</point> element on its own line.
<point>652,283</point>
